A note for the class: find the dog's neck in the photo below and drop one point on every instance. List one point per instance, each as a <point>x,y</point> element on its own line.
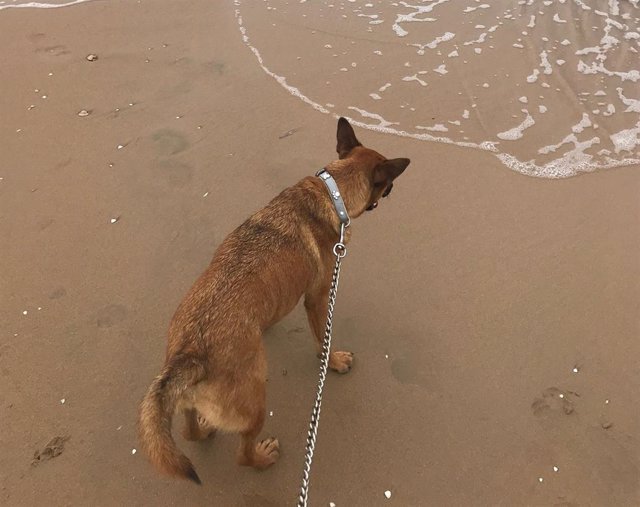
<point>336,197</point>
<point>353,185</point>
<point>353,188</point>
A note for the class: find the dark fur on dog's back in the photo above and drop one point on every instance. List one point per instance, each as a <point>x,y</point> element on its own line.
<point>215,367</point>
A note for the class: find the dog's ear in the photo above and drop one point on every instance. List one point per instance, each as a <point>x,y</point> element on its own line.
<point>389,170</point>
<point>346,138</point>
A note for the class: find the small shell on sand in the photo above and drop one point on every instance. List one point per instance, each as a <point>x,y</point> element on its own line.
<point>387,494</point>
<point>92,58</point>
<point>84,112</point>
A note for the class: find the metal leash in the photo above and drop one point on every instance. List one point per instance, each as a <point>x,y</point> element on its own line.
<point>339,250</point>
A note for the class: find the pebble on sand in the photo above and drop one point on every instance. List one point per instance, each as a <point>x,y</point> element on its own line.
<point>84,112</point>
<point>540,479</point>
<point>387,494</point>
<point>114,220</point>
<point>62,401</point>
<point>133,451</point>
<point>24,312</point>
<point>92,57</point>
<point>555,468</point>
<point>331,504</point>
<point>575,369</point>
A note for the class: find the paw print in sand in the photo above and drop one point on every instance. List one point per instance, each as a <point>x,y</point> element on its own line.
<point>554,401</point>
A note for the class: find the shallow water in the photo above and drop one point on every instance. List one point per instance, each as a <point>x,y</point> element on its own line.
<point>550,86</point>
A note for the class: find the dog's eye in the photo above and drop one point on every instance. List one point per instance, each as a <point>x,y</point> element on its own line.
<point>388,190</point>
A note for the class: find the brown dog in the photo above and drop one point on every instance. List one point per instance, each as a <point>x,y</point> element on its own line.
<point>215,367</point>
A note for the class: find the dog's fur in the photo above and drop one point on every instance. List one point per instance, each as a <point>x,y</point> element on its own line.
<point>215,367</point>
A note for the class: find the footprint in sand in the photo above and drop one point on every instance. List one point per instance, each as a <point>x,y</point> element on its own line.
<point>58,293</point>
<point>410,370</point>
<point>173,172</point>
<point>53,449</point>
<point>111,315</point>
<point>169,141</point>
<point>54,50</point>
<point>553,401</point>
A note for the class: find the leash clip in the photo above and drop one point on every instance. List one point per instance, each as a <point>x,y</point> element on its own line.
<point>340,249</point>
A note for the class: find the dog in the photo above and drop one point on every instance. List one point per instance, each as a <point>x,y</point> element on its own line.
<point>215,367</point>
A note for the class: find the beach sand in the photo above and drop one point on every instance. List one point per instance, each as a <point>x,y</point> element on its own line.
<point>494,316</point>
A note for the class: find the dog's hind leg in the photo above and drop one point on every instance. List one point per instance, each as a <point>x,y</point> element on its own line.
<point>195,426</point>
<point>262,454</point>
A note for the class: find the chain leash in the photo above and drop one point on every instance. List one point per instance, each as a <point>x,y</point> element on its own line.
<point>339,250</point>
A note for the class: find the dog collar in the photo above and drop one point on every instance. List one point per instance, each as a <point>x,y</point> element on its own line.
<point>336,197</point>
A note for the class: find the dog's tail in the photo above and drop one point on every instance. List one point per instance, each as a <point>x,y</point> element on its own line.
<point>156,412</point>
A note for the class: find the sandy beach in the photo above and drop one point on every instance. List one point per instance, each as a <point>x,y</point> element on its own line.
<point>494,315</point>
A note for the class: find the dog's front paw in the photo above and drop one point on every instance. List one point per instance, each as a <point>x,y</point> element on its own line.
<point>341,361</point>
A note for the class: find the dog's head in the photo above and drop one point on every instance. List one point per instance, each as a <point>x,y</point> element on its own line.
<point>365,175</point>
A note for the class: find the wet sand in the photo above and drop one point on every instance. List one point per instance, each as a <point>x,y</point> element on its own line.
<point>469,296</point>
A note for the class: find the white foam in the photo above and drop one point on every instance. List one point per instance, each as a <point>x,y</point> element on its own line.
<point>561,167</point>
<point>599,68</point>
<point>453,54</point>
<point>38,5</point>
<point>544,63</point>
<point>557,19</point>
<point>412,17</point>
<point>584,123</point>
<point>374,116</point>
<point>375,96</point>
<point>438,127</point>
<point>517,132</point>
<point>479,40</point>
<point>447,36</point>
<point>534,76</point>
<point>442,69</point>
<point>532,22</point>
<point>567,165</point>
<point>471,9</point>
<point>633,105</point>
<point>626,140</point>
<point>384,87</point>
<point>414,78</point>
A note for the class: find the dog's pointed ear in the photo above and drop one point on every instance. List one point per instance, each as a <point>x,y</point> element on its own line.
<point>389,170</point>
<point>346,138</point>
